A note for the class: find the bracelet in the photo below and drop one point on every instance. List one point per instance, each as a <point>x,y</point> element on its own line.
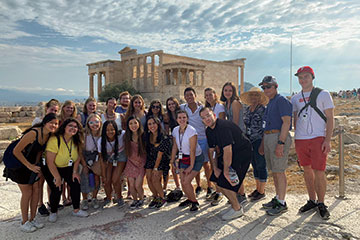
<point>155,169</point>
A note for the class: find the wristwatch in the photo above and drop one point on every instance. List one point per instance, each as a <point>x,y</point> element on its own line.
<point>280,142</point>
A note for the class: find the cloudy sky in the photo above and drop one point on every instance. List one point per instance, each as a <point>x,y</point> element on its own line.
<point>45,45</point>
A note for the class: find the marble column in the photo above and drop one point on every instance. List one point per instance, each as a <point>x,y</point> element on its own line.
<point>172,77</point>
<point>179,75</point>
<point>153,70</point>
<point>187,77</point>
<point>145,74</point>
<point>99,83</point>
<point>138,74</point>
<point>242,83</point>
<point>91,85</point>
<point>194,79</point>
<point>202,78</point>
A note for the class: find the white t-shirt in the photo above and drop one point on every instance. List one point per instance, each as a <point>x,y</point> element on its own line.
<point>218,108</point>
<point>91,143</point>
<point>309,124</point>
<point>185,143</point>
<point>111,145</point>
<point>117,120</point>
<point>195,120</point>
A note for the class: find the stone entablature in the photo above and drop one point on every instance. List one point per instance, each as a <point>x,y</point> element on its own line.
<point>160,75</point>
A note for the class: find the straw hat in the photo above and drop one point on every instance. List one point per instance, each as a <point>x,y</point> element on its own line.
<point>245,97</point>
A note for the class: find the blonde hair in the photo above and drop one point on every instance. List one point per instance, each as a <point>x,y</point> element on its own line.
<point>62,114</point>
<point>87,127</point>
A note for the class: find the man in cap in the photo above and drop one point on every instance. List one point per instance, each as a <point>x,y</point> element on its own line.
<point>314,123</point>
<point>276,142</point>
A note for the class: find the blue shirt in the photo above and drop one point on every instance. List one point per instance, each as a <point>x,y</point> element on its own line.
<point>120,109</point>
<point>278,107</point>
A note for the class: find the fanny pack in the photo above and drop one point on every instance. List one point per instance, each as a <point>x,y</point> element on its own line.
<point>185,159</point>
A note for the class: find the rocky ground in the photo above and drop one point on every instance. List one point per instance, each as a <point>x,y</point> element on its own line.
<point>176,223</point>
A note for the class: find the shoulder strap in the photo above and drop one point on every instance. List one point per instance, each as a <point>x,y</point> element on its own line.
<point>58,141</point>
<point>312,103</point>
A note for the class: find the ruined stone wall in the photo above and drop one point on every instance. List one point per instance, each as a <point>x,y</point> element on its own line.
<point>17,114</point>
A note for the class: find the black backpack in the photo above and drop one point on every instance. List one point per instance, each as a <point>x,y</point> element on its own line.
<point>174,196</point>
<point>312,103</point>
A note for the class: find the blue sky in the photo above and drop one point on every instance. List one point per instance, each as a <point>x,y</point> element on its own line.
<point>45,45</point>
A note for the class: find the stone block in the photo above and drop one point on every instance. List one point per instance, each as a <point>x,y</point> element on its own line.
<point>5,114</point>
<point>4,120</point>
<point>22,114</point>
<point>4,144</point>
<point>9,132</point>
<point>15,114</point>
<point>2,109</point>
<point>350,138</point>
<point>31,114</point>
<point>1,155</point>
<point>13,109</point>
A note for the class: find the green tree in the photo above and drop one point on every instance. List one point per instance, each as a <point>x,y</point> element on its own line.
<point>113,90</point>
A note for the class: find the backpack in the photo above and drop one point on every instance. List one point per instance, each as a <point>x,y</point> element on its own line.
<point>174,196</point>
<point>312,103</point>
<point>9,158</point>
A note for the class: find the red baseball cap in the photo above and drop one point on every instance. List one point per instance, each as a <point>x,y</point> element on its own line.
<point>305,69</point>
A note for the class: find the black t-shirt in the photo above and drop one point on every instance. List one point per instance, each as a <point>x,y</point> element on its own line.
<point>224,134</point>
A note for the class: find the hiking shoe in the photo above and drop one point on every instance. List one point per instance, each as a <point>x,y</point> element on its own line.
<point>257,196</point>
<point>84,204</point>
<point>310,204</point>
<point>120,202</point>
<point>253,193</point>
<point>80,213</point>
<point>106,202</point>
<point>194,206</point>
<point>43,211</point>
<point>140,204</point>
<point>209,192</point>
<point>95,203</point>
<point>270,204</point>
<point>134,204</point>
<point>27,227</point>
<point>217,199</point>
<point>277,209</point>
<point>324,213</point>
<point>232,214</point>
<point>161,202</point>
<point>241,198</point>
<point>198,190</point>
<point>52,217</point>
<point>185,203</point>
<point>37,224</point>
<point>153,203</point>
<point>211,197</point>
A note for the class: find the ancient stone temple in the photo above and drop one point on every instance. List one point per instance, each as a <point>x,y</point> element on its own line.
<point>159,75</point>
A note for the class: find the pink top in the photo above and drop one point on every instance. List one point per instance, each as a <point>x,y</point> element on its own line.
<point>135,164</point>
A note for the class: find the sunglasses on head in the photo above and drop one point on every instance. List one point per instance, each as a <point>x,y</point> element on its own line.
<point>266,87</point>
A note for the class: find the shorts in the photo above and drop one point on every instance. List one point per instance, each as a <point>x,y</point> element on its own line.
<point>199,161</point>
<point>222,182</point>
<point>20,175</point>
<point>205,148</point>
<point>121,157</point>
<point>310,154</point>
<point>273,163</point>
<point>84,183</point>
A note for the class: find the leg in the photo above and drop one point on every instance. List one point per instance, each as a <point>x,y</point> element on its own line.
<point>41,190</point>
<point>149,181</point>
<point>197,178</point>
<point>231,195</point>
<point>309,178</point>
<point>187,186</point>
<point>320,185</point>
<point>156,182</point>
<point>132,188</point>
<point>116,178</point>
<point>107,185</point>
<point>97,186</point>
<point>208,171</point>
<point>175,177</point>
<point>139,187</point>
<point>280,185</point>
<point>34,200</point>
<point>26,195</point>
<point>165,180</point>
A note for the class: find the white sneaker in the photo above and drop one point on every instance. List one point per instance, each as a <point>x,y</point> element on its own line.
<point>37,224</point>
<point>80,213</point>
<point>27,227</point>
<point>231,214</point>
<point>95,203</point>
<point>84,204</point>
<point>52,217</point>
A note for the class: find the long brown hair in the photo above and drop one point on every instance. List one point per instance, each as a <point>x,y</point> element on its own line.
<point>233,97</point>
<point>128,137</point>
<point>207,104</point>
<point>90,99</point>
<point>131,109</point>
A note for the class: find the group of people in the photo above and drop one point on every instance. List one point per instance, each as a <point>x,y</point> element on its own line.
<point>77,153</point>
<point>349,94</point>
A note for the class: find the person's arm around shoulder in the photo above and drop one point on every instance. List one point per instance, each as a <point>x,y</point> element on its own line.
<point>236,107</point>
<point>27,139</point>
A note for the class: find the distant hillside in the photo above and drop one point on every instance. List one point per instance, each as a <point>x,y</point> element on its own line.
<point>12,97</point>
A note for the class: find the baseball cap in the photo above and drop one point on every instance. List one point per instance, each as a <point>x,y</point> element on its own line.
<point>305,69</point>
<point>269,80</point>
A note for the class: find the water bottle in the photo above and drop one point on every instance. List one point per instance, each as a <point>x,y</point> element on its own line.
<point>91,180</point>
<point>233,175</point>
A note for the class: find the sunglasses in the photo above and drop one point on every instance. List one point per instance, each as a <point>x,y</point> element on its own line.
<point>94,122</point>
<point>156,107</point>
<point>266,87</point>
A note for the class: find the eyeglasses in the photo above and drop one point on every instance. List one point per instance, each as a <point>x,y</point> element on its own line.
<point>266,87</point>
<point>156,107</point>
<point>94,122</point>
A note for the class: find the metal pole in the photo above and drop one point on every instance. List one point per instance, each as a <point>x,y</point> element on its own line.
<point>341,163</point>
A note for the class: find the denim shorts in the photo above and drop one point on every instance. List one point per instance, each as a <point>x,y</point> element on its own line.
<point>121,157</point>
<point>205,149</point>
<point>199,161</point>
